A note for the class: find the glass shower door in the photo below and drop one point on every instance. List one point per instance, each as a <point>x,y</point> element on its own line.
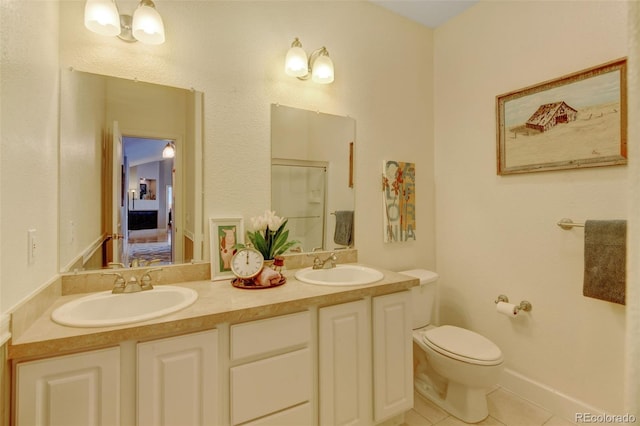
<point>298,193</point>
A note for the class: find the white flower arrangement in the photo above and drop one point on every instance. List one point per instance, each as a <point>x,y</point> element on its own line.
<point>268,235</point>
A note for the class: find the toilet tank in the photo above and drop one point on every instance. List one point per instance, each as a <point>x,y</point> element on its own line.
<point>423,296</point>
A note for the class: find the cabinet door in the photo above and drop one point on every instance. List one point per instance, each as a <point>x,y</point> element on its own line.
<point>345,364</point>
<point>392,355</point>
<point>81,389</point>
<point>177,380</point>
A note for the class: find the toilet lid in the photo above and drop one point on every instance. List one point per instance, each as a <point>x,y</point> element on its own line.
<point>463,344</point>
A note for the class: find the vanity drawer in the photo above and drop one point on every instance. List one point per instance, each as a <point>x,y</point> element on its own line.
<point>271,334</point>
<point>296,416</point>
<point>270,385</point>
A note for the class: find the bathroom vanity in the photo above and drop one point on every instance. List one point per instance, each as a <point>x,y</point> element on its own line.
<point>298,354</point>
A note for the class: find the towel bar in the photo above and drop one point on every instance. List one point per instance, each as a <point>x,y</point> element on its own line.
<point>567,224</point>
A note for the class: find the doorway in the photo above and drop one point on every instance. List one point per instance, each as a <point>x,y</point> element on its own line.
<point>149,182</point>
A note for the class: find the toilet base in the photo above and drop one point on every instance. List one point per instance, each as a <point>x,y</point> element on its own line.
<point>467,404</point>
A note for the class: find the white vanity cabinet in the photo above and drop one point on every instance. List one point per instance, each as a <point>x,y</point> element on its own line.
<point>344,364</point>
<point>178,380</point>
<point>365,360</point>
<point>78,389</point>
<point>344,370</point>
<point>271,375</point>
<point>392,355</point>
<point>175,380</point>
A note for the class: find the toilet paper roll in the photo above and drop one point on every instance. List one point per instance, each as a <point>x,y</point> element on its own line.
<point>508,309</point>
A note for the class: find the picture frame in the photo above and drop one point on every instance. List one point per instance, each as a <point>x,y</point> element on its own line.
<point>575,121</point>
<point>224,234</point>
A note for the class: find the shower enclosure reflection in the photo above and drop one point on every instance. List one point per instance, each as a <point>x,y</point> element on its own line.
<point>298,193</point>
<point>311,174</point>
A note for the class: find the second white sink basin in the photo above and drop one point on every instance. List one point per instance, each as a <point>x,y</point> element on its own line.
<point>340,275</point>
<point>105,309</point>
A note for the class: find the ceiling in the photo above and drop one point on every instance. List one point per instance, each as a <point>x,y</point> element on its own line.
<point>430,13</point>
<point>139,150</point>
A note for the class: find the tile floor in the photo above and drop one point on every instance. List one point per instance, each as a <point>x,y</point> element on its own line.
<point>505,409</point>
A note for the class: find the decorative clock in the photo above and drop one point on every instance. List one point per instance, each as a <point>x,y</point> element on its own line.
<point>247,263</point>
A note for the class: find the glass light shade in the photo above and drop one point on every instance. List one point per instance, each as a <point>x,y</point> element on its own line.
<point>295,64</point>
<point>147,25</point>
<point>102,17</point>
<point>168,151</point>
<point>322,70</point>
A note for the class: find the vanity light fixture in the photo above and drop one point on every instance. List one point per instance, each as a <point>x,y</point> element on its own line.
<point>169,151</point>
<point>146,26</point>
<point>318,67</point>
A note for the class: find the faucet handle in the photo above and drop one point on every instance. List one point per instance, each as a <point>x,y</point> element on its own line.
<point>145,279</point>
<point>119,283</point>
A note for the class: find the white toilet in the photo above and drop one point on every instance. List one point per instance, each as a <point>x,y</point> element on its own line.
<point>453,367</point>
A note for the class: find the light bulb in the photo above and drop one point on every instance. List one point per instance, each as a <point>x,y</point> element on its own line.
<point>295,63</point>
<point>168,151</point>
<point>147,25</point>
<point>102,17</point>
<point>322,70</point>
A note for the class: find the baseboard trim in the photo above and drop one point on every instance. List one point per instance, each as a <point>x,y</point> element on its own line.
<point>558,403</point>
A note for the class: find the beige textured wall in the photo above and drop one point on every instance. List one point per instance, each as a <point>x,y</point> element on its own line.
<point>29,148</point>
<point>498,235</point>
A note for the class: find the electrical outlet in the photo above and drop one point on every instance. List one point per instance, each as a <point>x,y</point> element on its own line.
<point>32,245</point>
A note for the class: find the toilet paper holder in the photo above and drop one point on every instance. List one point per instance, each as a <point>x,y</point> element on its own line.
<point>523,306</point>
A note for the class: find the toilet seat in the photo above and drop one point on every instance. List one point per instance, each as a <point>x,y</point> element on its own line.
<point>463,345</point>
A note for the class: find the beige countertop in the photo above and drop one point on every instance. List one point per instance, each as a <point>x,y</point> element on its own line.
<point>218,302</point>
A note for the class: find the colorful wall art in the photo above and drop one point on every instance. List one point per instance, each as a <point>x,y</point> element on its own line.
<point>399,196</point>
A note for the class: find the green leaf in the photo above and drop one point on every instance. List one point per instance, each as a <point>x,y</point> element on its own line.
<point>285,247</point>
<point>280,240</point>
<point>257,239</point>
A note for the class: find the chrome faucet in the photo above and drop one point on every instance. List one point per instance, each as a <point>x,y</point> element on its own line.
<point>133,286</point>
<point>145,279</point>
<point>328,263</point>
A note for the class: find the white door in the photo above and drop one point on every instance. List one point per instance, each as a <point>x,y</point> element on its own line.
<point>178,381</point>
<point>345,364</point>
<point>81,389</point>
<point>392,355</point>
<point>117,205</point>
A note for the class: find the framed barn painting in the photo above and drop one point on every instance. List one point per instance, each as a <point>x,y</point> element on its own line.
<point>224,234</point>
<point>575,121</point>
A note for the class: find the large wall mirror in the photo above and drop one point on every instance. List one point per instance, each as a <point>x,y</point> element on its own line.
<point>312,176</point>
<point>130,173</point>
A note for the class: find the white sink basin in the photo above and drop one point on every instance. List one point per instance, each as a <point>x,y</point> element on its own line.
<point>340,275</point>
<point>106,309</point>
